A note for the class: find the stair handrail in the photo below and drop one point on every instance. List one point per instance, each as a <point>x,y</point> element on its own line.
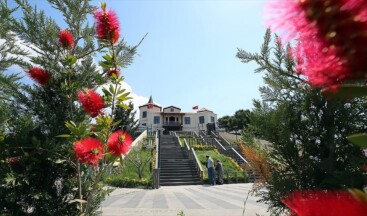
<point>186,145</point>
<point>178,140</point>
<point>223,140</point>
<point>198,165</point>
<point>212,133</point>
<point>196,134</point>
<point>192,156</point>
<point>239,155</point>
<point>202,133</point>
<point>203,140</point>
<point>156,170</point>
<point>156,151</point>
<point>220,145</point>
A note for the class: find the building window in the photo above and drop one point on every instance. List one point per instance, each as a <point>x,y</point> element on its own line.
<point>144,124</point>
<point>201,119</point>
<point>144,114</point>
<point>187,120</point>
<point>156,119</point>
<point>212,119</point>
<point>172,110</point>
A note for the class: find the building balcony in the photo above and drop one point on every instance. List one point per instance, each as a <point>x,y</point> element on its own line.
<point>172,123</point>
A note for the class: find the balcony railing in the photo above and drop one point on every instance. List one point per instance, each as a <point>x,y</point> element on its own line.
<point>172,123</point>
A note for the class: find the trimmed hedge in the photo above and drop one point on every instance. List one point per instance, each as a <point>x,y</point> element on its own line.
<point>125,182</point>
<point>203,147</point>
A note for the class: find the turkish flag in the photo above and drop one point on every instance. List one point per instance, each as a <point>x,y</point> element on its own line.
<point>195,107</point>
<point>150,106</point>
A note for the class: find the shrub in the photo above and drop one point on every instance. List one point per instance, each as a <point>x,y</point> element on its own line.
<point>126,182</point>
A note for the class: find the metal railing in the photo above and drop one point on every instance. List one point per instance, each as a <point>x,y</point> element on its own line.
<point>195,134</point>
<point>192,156</point>
<point>172,123</point>
<point>223,140</point>
<point>239,155</point>
<point>181,133</point>
<point>156,170</point>
<point>212,134</point>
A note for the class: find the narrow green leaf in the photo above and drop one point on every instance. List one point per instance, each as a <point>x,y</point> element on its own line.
<point>358,139</point>
<point>112,89</point>
<point>59,161</point>
<point>107,57</point>
<point>106,92</point>
<point>117,122</point>
<point>64,136</point>
<point>121,91</point>
<point>124,106</point>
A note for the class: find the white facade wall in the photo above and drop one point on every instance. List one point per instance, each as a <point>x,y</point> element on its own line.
<point>193,126</point>
<point>147,116</point>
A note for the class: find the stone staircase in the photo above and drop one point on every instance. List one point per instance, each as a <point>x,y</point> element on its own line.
<point>175,166</point>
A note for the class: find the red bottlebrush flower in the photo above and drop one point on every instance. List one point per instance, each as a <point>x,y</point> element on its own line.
<point>91,101</point>
<point>107,25</point>
<point>66,39</point>
<point>111,71</point>
<point>331,34</point>
<point>39,75</point>
<point>119,142</point>
<point>88,150</point>
<point>325,203</point>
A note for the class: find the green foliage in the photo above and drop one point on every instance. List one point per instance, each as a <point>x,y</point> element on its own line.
<point>139,157</point>
<point>347,91</point>
<point>307,129</point>
<point>181,213</point>
<point>203,147</point>
<point>127,182</point>
<point>39,174</point>
<point>127,119</point>
<point>238,121</point>
<point>228,164</point>
<point>135,169</point>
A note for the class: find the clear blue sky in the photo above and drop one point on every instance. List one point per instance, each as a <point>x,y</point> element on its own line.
<point>188,57</point>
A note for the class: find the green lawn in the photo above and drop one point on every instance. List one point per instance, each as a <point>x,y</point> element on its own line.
<point>127,174</point>
<point>231,169</point>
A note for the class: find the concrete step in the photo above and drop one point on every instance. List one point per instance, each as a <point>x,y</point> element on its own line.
<point>175,183</point>
<point>180,180</point>
<point>175,166</point>
<point>178,166</point>
<point>185,177</point>
<point>178,163</point>
<point>170,169</point>
<point>187,173</point>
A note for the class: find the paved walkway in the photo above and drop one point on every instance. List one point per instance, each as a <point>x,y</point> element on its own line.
<point>200,200</point>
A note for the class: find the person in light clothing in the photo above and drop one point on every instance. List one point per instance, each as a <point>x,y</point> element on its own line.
<point>210,166</point>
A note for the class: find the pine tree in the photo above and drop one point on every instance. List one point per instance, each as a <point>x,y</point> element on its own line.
<point>39,170</point>
<point>127,119</point>
<point>306,128</point>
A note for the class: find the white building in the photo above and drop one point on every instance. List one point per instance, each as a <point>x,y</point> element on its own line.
<point>171,118</point>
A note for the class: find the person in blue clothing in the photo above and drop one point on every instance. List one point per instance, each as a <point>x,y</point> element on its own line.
<point>210,166</point>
